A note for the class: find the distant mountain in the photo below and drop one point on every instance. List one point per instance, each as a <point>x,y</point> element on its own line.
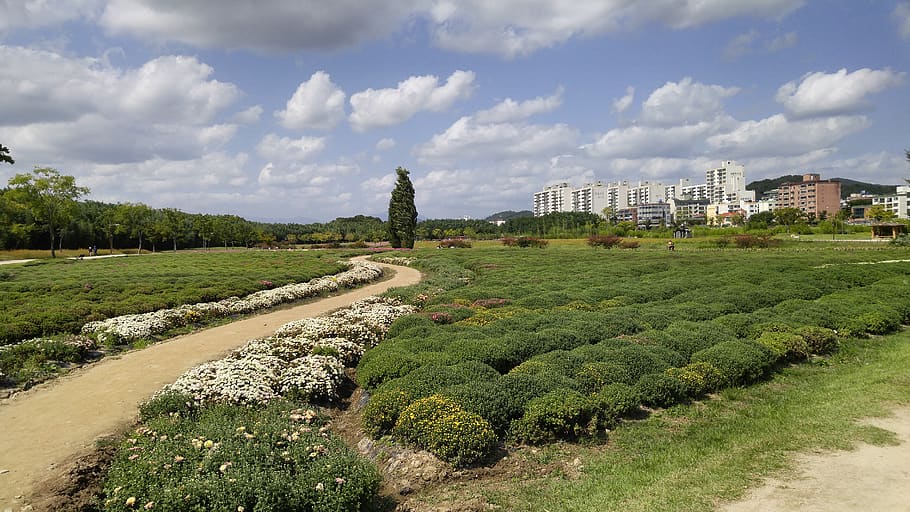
<point>847,186</point>
<point>509,214</point>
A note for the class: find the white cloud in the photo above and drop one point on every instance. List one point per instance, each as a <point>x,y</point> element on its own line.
<point>753,42</point>
<point>284,149</point>
<point>466,139</point>
<point>622,104</point>
<point>685,102</point>
<point>510,110</point>
<point>385,144</point>
<point>309,175</point>
<point>61,109</point>
<point>317,104</point>
<point>374,108</point>
<point>519,27</point>
<point>776,135</point>
<point>43,13</point>
<point>637,142</point>
<point>274,26</point>
<point>826,94</point>
<point>248,116</point>
<point>902,17</point>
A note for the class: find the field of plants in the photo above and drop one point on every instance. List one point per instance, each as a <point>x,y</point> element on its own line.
<point>564,343</point>
<point>501,347</point>
<point>45,304</point>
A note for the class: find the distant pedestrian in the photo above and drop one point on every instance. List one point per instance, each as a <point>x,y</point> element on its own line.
<point>671,246</point>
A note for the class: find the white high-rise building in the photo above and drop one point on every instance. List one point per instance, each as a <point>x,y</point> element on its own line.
<point>727,183</point>
<point>552,199</point>
<point>899,203</point>
<point>590,198</point>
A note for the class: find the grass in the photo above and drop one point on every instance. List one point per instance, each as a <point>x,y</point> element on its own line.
<point>48,297</point>
<point>690,458</point>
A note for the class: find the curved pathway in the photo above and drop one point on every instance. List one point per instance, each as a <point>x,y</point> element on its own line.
<point>46,426</point>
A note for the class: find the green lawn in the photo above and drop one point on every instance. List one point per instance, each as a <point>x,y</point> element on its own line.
<point>47,297</point>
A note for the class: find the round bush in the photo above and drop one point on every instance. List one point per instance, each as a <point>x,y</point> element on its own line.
<point>638,360</point>
<point>440,425</point>
<point>492,401</point>
<point>819,339</point>
<point>594,376</point>
<point>687,337</point>
<point>878,322</point>
<point>560,414</point>
<point>698,378</point>
<point>786,346</point>
<point>380,365</point>
<point>739,362</point>
<point>614,402</point>
<point>659,390</point>
<point>383,409</point>
<point>410,325</point>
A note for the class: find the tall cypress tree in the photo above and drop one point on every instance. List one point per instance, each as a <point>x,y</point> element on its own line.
<point>402,212</point>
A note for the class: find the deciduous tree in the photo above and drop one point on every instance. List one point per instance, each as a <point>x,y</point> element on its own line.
<point>402,212</point>
<point>49,196</point>
<point>788,216</point>
<point>4,155</point>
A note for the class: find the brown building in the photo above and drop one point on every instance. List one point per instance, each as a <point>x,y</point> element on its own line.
<point>813,196</point>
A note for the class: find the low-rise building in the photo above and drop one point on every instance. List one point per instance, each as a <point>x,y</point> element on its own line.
<point>899,203</point>
<point>812,196</point>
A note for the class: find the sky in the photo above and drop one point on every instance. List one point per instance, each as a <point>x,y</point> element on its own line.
<point>301,110</point>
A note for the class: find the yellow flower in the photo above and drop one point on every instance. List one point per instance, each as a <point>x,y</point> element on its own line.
<point>130,501</point>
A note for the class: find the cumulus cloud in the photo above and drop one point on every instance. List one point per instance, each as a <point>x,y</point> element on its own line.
<point>782,42</point>
<point>63,108</point>
<point>777,135</point>
<point>466,139</point>
<point>273,147</point>
<point>902,17</point>
<point>309,175</point>
<point>827,94</point>
<point>622,104</point>
<point>248,116</point>
<point>636,142</point>
<point>272,26</point>
<point>44,13</point>
<point>685,102</point>
<point>510,110</point>
<point>385,144</point>
<point>374,108</point>
<point>519,27</point>
<point>317,104</point>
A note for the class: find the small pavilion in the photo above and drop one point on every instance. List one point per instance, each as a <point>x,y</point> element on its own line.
<point>888,230</point>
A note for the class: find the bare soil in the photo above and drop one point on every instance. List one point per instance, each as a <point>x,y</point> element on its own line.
<point>49,433</point>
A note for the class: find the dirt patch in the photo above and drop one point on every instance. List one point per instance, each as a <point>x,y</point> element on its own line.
<point>868,478</point>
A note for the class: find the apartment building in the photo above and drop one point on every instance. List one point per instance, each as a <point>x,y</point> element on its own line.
<point>899,203</point>
<point>812,196</point>
<point>552,199</point>
<point>727,183</point>
<point>590,198</point>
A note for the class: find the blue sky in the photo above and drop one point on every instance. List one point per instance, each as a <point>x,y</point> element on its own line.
<point>300,111</point>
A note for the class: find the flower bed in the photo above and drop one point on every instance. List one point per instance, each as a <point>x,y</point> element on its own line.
<point>304,359</point>
<point>127,328</point>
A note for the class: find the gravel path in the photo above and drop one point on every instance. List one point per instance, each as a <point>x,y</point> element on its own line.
<point>43,428</point>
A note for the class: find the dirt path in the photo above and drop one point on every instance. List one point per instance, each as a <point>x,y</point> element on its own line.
<point>874,478</point>
<point>50,424</point>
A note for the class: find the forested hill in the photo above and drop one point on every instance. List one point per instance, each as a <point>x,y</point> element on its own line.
<point>509,214</point>
<point>847,186</point>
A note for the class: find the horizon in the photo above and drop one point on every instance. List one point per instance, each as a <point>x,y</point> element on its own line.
<point>302,111</point>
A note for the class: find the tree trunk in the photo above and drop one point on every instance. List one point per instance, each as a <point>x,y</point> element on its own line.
<point>53,253</point>
<point>140,243</point>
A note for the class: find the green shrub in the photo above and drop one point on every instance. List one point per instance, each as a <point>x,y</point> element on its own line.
<point>382,410</point>
<point>167,403</point>
<point>739,362</point>
<point>638,360</point>
<point>228,458</point>
<point>381,364</point>
<point>698,378</point>
<point>785,346</point>
<point>883,321</point>
<point>819,339</point>
<point>565,362</point>
<point>614,402</point>
<point>659,390</point>
<point>440,425</point>
<point>410,325</point>
<point>736,324</point>
<point>595,375</point>
<point>492,401</point>
<point>560,414</point>
<point>687,338</point>
<point>605,241</point>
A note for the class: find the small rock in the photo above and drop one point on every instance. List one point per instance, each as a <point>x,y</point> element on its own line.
<point>2,471</point>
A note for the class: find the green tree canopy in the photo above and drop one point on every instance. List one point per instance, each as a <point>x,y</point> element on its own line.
<point>402,212</point>
<point>4,155</point>
<point>49,196</point>
<point>788,216</point>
